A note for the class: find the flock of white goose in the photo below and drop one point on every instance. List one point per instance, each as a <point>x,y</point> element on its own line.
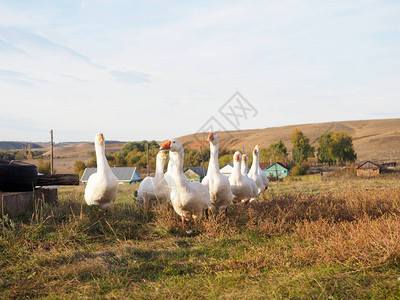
<point>189,199</point>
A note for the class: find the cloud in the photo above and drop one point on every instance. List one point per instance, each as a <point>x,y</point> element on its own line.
<point>19,78</point>
<point>130,77</point>
<point>24,42</point>
<point>9,49</point>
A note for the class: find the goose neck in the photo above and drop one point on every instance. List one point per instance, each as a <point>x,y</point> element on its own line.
<point>101,160</point>
<point>178,161</point>
<point>244,169</point>
<point>159,168</point>
<point>213,164</point>
<point>255,160</point>
<point>236,169</point>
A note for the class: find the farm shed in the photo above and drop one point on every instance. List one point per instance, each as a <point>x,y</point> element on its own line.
<point>271,170</point>
<point>227,170</point>
<point>195,173</point>
<point>124,175</point>
<point>368,169</point>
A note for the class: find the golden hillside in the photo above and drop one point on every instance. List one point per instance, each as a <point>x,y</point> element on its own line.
<point>377,140</point>
<point>373,139</point>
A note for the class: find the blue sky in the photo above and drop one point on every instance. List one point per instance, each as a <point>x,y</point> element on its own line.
<point>158,69</point>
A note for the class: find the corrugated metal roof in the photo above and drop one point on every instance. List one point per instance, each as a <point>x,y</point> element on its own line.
<point>369,165</point>
<point>122,173</point>
<point>197,170</point>
<point>265,166</point>
<point>227,169</point>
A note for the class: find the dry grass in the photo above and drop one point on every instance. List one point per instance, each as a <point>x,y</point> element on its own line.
<point>337,239</point>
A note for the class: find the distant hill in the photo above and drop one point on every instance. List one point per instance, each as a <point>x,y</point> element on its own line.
<point>377,140</point>
<point>18,145</point>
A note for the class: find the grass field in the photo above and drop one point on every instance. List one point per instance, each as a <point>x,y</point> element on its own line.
<point>332,240</point>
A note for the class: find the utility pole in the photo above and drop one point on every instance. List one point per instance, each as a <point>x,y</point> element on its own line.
<point>276,167</point>
<point>51,152</point>
<point>148,166</point>
<point>202,161</point>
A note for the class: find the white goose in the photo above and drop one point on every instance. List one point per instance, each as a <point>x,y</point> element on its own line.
<point>261,171</point>
<point>252,182</point>
<point>154,190</point>
<point>189,199</point>
<point>218,185</point>
<point>241,188</point>
<point>102,186</point>
<point>254,171</point>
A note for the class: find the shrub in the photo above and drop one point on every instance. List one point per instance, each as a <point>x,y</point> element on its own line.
<point>79,168</point>
<point>44,167</point>
<point>21,155</point>
<point>301,169</point>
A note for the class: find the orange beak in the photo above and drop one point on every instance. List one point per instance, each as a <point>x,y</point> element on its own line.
<point>237,157</point>
<point>101,137</point>
<point>210,136</point>
<point>163,154</point>
<point>244,158</point>
<point>166,146</point>
<point>258,147</point>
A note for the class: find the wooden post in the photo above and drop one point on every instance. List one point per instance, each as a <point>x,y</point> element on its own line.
<point>51,153</point>
<point>148,167</point>
<point>202,161</point>
<point>276,167</point>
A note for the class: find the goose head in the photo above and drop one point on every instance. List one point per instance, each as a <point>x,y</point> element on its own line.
<point>161,156</point>
<point>213,138</point>
<point>245,159</point>
<point>99,140</point>
<point>237,158</point>
<point>172,145</point>
<point>244,164</point>
<point>256,150</point>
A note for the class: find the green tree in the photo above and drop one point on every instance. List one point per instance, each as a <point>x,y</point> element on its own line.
<point>267,154</point>
<point>118,160</point>
<point>21,155</point>
<point>44,167</point>
<point>133,157</point>
<point>138,146</point>
<point>92,163</point>
<point>325,148</point>
<point>225,159</point>
<point>342,147</point>
<point>79,168</point>
<point>301,147</point>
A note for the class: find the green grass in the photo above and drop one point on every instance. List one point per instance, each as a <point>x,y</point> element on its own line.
<point>337,239</point>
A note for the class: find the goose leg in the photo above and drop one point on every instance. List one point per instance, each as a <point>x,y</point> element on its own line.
<point>169,207</point>
<point>207,213</point>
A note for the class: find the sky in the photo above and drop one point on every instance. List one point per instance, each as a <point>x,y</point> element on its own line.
<point>139,70</point>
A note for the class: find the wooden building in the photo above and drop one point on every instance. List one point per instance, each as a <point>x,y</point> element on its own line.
<point>368,169</point>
